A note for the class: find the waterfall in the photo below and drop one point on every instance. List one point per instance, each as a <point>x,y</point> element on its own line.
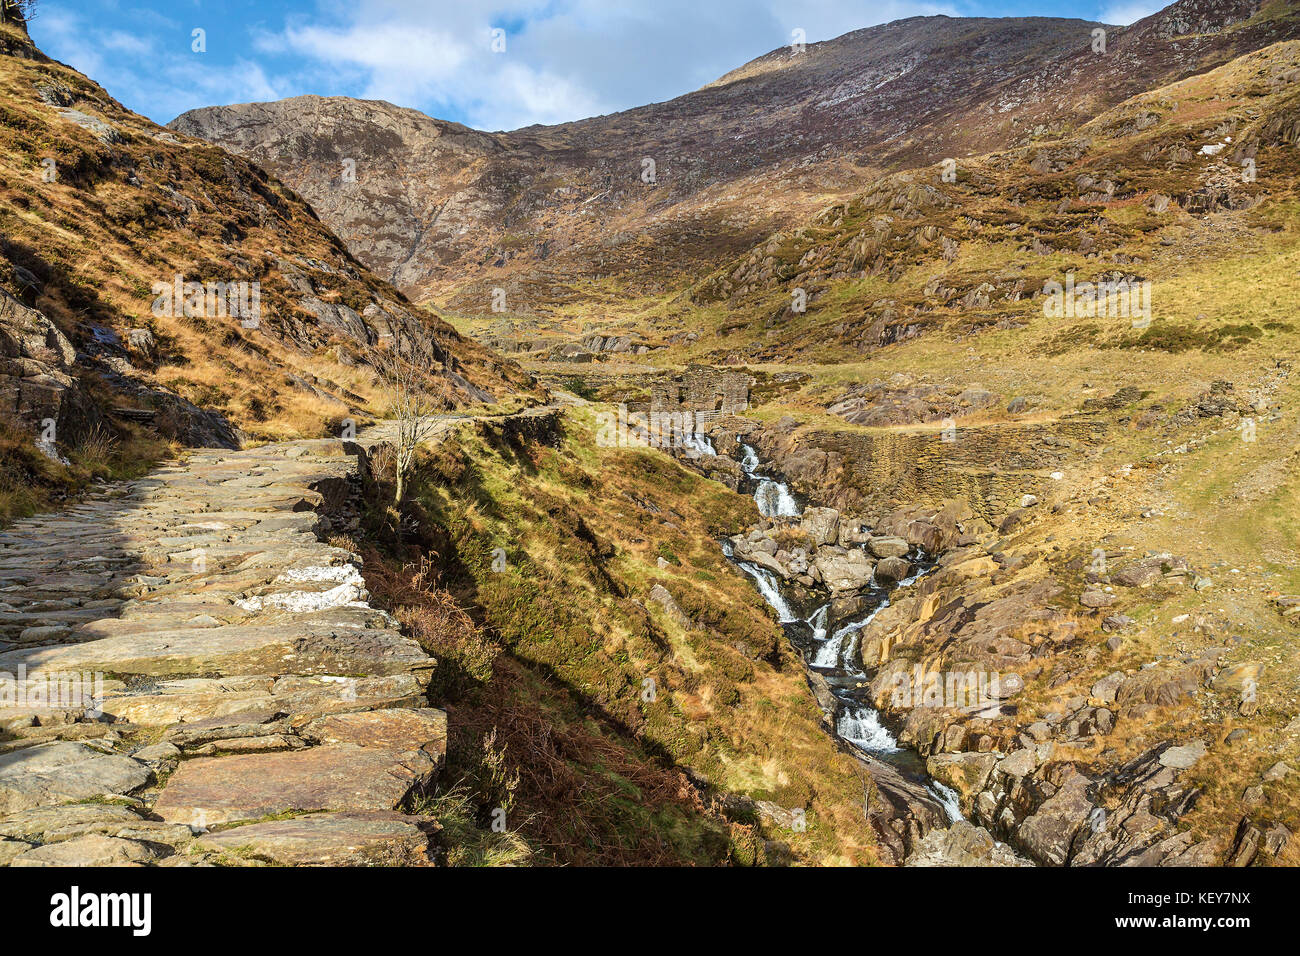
<point>861,726</point>
<point>948,799</point>
<point>774,499</point>
<point>700,444</point>
<point>857,723</point>
<point>765,581</point>
<point>818,622</point>
<point>828,655</point>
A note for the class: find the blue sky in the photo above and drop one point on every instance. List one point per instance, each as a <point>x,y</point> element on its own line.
<point>563,59</point>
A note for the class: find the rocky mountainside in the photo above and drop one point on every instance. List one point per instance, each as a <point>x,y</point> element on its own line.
<point>149,277</point>
<point>1130,196</point>
<point>447,213</point>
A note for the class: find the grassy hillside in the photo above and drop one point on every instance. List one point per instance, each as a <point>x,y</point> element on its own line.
<point>554,677</point>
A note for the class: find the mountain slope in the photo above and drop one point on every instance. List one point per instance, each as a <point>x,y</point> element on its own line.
<point>1150,190</point>
<point>105,215</point>
<point>560,215</point>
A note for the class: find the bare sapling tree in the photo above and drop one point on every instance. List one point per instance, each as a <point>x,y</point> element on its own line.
<point>410,405</point>
<point>17,11</point>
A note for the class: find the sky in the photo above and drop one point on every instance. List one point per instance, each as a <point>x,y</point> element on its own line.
<point>491,64</point>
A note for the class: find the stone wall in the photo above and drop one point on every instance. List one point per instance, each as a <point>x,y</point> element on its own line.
<point>990,467</point>
<point>702,389</point>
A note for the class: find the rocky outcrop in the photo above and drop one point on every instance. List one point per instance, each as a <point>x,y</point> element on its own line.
<point>185,659</point>
<point>806,555</point>
<point>37,370</point>
<point>870,473</point>
<point>902,401</point>
<point>1005,767</point>
<point>962,844</point>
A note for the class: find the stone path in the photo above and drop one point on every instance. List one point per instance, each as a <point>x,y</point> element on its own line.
<point>254,706</point>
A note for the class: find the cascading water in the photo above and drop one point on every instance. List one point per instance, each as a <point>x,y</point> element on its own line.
<point>765,580</point>
<point>773,497</point>
<point>861,727</point>
<point>818,622</point>
<point>700,444</point>
<point>833,657</point>
<point>829,654</point>
<point>775,500</point>
<point>948,799</point>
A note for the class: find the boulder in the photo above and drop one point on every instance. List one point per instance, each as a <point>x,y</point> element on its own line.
<point>1141,575</point>
<point>962,844</point>
<point>37,368</point>
<point>821,525</point>
<point>853,531</point>
<point>843,571</point>
<point>1279,771</point>
<point>967,773</point>
<point>889,546</point>
<point>1106,688</point>
<point>352,838</point>
<point>925,535</point>
<point>1049,834</point>
<point>142,341</point>
<point>65,771</point>
<point>892,569</point>
<point>1180,758</point>
<point>661,596</point>
<point>207,791</point>
<point>1235,678</point>
<point>90,851</point>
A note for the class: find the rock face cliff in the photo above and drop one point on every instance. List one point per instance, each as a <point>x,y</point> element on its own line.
<point>447,213</point>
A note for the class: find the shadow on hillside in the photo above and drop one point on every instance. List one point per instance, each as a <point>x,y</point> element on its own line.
<point>458,578</point>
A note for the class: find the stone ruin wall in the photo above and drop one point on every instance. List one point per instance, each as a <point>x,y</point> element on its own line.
<point>702,390</point>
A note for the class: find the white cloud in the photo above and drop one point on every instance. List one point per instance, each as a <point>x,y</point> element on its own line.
<point>564,59</point>
<point>135,70</point>
<point>1126,13</point>
<point>122,42</point>
<point>524,96</point>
